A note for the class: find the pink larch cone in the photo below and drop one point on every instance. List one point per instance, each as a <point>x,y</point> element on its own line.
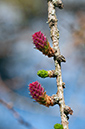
<point>37,92</point>
<point>41,43</point>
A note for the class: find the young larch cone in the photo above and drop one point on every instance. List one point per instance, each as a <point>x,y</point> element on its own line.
<point>37,92</point>
<point>42,44</point>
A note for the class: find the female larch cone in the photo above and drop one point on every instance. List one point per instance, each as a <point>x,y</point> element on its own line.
<point>37,92</point>
<point>42,44</point>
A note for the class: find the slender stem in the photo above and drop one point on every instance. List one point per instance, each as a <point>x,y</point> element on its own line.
<point>52,20</point>
<point>16,114</point>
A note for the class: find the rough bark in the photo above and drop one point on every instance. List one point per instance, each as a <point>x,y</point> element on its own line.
<point>58,58</point>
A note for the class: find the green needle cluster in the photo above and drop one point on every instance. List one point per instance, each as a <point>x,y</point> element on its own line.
<point>42,73</point>
<point>58,126</point>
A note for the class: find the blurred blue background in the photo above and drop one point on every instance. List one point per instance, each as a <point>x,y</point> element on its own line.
<point>19,63</point>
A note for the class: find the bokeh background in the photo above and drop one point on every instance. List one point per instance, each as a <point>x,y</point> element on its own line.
<point>19,63</point>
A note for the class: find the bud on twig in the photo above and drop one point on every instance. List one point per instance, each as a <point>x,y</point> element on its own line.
<point>60,58</point>
<point>58,3</point>
<point>50,73</point>
<point>42,73</point>
<point>58,126</point>
<point>68,110</point>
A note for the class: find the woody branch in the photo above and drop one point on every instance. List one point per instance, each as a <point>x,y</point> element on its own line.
<point>58,58</point>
